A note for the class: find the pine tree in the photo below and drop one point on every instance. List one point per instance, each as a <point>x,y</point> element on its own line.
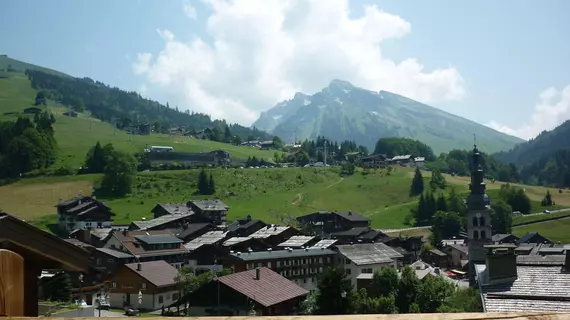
<point>203,184</point>
<point>441,204</point>
<point>211,185</point>
<point>417,186</point>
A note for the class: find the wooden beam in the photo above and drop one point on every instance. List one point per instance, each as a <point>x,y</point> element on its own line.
<point>11,284</point>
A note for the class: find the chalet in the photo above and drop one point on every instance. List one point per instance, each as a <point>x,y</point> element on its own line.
<point>96,237</point>
<point>245,227</point>
<point>150,245</point>
<point>33,110</point>
<point>243,244</point>
<point>266,145</point>
<point>373,161</point>
<point>526,284</point>
<point>155,280</point>
<point>504,238</point>
<point>191,231</point>
<point>163,222</point>
<point>163,209</point>
<point>358,235</point>
<point>404,160</point>
<point>205,250</point>
<point>215,210</point>
<point>366,258</point>
<point>252,143</point>
<point>274,235</point>
<point>435,257</point>
<point>259,291</point>
<point>458,255</point>
<point>534,237</point>
<point>353,156</point>
<point>409,247</point>
<point>298,242</point>
<point>83,212</point>
<point>70,113</point>
<point>109,260</point>
<point>301,266</point>
<point>325,244</point>
<point>326,222</point>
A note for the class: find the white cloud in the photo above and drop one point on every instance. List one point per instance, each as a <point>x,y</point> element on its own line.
<point>262,52</point>
<point>551,110</point>
<point>189,10</point>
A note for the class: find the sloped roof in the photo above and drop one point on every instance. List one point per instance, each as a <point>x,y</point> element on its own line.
<point>369,253</point>
<point>325,243</point>
<point>157,222</point>
<point>502,236</point>
<point>269,290</point>
<point>296,241</point>
<point>210,205</point>
<point>282,254</point>
<point>211,237</point>
<point>269,231</point>
<point>192,228</point>
<point>160,273</point>
<point>235,240</point>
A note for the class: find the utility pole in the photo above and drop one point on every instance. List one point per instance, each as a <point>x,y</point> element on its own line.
<point>325,152</point>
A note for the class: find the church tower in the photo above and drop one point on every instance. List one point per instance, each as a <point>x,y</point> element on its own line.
<point>479,230</point>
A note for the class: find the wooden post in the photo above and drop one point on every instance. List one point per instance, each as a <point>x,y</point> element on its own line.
<point>11,284</point>
<point>31,274</point>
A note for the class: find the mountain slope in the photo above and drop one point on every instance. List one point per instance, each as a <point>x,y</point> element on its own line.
<point>545,144</point>
<point>9,64</point>
<point>342,111</point>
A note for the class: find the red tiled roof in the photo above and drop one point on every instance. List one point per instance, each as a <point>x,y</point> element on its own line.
<point>270,289</point>
<point>160,273</point>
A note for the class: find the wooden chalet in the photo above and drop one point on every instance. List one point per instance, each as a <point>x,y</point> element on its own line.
<point>24,251</point>
<point>327,222</point>
<point>83,212</point>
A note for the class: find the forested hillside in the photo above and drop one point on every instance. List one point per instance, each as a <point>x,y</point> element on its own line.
<point>544,160</point>
<point>126,108</point>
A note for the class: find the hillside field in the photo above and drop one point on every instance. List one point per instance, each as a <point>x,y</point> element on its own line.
<point>273,195</point>
<point>75,136</point>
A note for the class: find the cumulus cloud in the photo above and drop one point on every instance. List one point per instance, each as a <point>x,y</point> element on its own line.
<point>551,110</point>
<point>258,53</point>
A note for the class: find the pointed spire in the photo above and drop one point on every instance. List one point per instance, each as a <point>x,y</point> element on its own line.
<point>477,199</point>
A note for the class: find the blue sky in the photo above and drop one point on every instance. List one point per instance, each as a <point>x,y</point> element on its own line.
<point>500,56</point>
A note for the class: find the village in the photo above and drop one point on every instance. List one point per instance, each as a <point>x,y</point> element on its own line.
<point>267,269</point>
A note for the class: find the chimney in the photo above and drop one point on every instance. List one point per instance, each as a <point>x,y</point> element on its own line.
<point>350,213</point>
<point>124,232</point>
<point>501,263</point>
<point>257,273</point>
<point>139,267</point>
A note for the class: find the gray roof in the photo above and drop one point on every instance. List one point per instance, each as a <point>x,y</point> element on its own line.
<point>296,241</point>
<point>325,243</point>
<point>115,253</point>
<point>501,236</point>
<point>235,240</point>
<point>210,205</point>
<point>438,252</point>
<point>537,289</point>
<point>269,231</point>
<point>206,239</point>
<point>369,253</point>
<point>461,247</point>
<point>149,224</point>
<point>281,254</point>
<point>535,259</point>
<point>158,239</point>
<point>175,208</point>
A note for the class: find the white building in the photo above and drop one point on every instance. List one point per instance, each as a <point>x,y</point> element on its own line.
<point>366,258</point>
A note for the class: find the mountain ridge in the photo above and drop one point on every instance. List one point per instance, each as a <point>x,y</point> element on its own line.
<point>343,111</point>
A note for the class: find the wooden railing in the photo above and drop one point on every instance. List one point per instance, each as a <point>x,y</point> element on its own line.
<point>417,316</point>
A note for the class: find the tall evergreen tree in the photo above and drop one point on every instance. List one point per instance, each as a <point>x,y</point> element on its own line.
<point>417,186</point>
<point>441,203</point>
<point>203,184</point>
<point>211,185</point>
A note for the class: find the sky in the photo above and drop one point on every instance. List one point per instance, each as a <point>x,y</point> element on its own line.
<point>504,64</point>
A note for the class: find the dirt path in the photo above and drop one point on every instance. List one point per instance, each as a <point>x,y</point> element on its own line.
<point>300,195</point>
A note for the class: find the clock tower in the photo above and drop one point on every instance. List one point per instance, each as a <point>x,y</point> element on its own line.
<point>479,230</point>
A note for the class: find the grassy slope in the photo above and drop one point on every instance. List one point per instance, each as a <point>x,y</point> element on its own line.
<point>76,135</point>
<point>21,66</point>
<point>557,230</point>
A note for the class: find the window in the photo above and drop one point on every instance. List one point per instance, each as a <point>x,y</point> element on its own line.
<point>366,270</point>
<point>475,221</point>
<point>143,285</point>
<point>269,264</point>
<point>98,261</point>
<point>482,223</point>
<point>160,299</point>
<point>475,234</point>
<point>114,285</point>
<point>483,234</point>
<point>304,280</point>
<point>348,271</point>
<point>278,264</point>
<point>346,261</point>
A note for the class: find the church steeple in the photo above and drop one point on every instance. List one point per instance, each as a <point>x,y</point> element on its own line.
<point>477,199</point>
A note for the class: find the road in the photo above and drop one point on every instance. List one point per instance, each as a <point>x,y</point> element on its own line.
<point>405,229</point>
<point>551,212</point>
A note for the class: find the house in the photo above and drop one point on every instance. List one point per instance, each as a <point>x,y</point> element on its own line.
<point>505,238</point>
<point>155,280</point>
<point>109,260</point>
<point>420,162</point>
<point>301,266</point>
<point>215,210</point>
<point>373,161</point>
<point>245,227</point>
<point>366,258</point>
<point>424,270</point>
<point>326,222</point>
<point>358,235</point>
<point>274,235</point>
<point>171,221</point>
<point>297,242</point>
<point>511,283</point>
<point>149,245</point>
<point>33,110</point>
<point>435,257</point>
<point>165,209</point>
<point>70,113</point>
<point>96,237</point>
<point>325,244</point>
<point>243,244</point>
<point>353,156</point>
<point>533,237</point>
<point>447,242</point>
<point>83,212</point>
<point>457,254</point>
<point>205,250</point>
<point>260,290</point>
<point>404,160</point>
<point>191,231</point>
<point>266,145</point>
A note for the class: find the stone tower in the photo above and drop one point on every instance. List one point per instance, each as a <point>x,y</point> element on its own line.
<point>479,230</point>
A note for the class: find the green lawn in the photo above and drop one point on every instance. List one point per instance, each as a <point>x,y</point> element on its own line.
<point>540,217</point>
<point>556,230</point>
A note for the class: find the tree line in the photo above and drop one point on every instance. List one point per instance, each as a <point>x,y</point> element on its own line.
<point>111,104</point>
<point>27,144</point>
